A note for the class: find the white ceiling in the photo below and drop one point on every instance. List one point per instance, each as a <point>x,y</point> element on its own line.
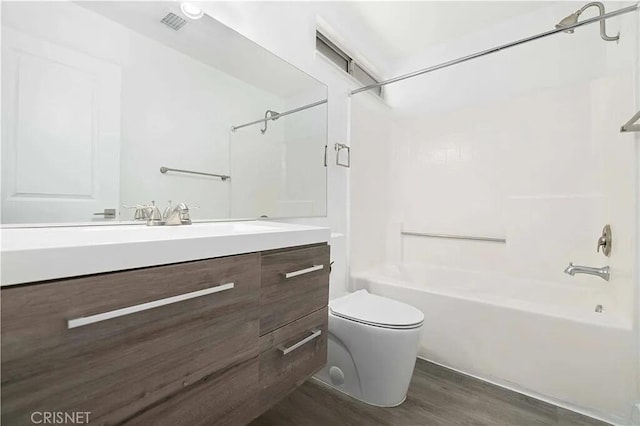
<point>400,29</point>
<point>210,42</point>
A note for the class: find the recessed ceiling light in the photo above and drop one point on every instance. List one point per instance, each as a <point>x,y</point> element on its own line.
<point>191,11</point>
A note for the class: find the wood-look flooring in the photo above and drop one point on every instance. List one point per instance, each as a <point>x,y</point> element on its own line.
<point>437,397</point>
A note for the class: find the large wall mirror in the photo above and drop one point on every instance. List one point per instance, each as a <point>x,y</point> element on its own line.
<point>97,97</point>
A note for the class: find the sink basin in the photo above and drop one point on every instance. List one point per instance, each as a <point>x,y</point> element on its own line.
<point>36,254</point>
<point>37,238</point>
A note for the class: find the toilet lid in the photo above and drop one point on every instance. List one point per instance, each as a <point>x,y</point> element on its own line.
<point>379,311</point>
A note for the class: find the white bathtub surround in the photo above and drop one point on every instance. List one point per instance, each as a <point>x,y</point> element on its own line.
<point>522,145</point>
<point>539,337</point>
<point>371,180</point>
<point>37,254</point>
<point>548,188</point>
<point>525,145</point>
<point>372,347</point>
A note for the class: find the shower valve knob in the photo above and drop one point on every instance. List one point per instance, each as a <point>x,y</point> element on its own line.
<point>605,241</point>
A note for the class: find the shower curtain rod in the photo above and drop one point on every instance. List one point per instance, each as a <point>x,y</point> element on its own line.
<point>588,21</point>
<point>276,116</point>
<point>622,11</point>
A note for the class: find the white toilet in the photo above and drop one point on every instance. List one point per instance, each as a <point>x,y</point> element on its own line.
<point>373,345</point>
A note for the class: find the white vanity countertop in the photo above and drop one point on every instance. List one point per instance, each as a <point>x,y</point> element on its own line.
<point>37,254</point>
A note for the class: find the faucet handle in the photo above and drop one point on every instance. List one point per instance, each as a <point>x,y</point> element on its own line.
<point>605,241</point>
<point>154,217</point>
<point>167,211</point>
<point>141,211</point>
<point>185,217</point>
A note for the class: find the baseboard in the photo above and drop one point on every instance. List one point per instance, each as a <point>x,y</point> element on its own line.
<point>557,403</point>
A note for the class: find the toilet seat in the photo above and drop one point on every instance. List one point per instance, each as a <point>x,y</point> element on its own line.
<point>376,311</point>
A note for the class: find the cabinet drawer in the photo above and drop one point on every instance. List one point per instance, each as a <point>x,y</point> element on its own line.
<point>292,354</point>
<point>115,343</point>
<point>294,284</point>
<point>225,398</point>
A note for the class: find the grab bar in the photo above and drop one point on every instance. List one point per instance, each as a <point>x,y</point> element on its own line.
<point>164,169</point>
<point>456,237</point>
<point>629,126</point>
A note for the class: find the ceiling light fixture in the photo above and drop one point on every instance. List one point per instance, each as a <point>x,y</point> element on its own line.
<point>191,11</point>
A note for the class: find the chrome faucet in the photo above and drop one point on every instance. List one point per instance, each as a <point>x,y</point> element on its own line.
<point>179,215</point>
<point>154,217</point>
<point>149,213</point>
<point>598,272</point>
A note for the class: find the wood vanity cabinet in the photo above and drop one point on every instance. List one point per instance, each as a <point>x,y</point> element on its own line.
<point>293,284</point>
<point>215,341</point>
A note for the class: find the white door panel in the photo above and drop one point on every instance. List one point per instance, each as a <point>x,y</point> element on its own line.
<point>61,132</point>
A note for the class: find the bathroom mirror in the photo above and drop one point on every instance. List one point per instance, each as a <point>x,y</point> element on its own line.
<point>99,96</point>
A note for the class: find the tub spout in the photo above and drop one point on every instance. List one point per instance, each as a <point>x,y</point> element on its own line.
<point>598,272</point>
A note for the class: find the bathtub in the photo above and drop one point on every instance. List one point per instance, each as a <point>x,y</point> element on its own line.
<point>540,338</point>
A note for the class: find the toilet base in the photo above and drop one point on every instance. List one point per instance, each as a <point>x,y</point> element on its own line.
<point>329,385</point>
<point>371,364</point>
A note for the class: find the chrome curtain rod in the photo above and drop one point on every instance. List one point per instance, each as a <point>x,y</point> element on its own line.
<point>622,11</point>
<point>281,114</point>
<point>164,169</point>
<point>455,237</point>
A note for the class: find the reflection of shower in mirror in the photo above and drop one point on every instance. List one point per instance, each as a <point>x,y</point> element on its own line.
<point>165,89</point>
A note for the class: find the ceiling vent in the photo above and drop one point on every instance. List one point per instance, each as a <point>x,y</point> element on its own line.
<point>173,21</point>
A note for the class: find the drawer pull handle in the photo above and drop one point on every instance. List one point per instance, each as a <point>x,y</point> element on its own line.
<point>314,335</point>
<point>303,271</point>
<point>82,321</point>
